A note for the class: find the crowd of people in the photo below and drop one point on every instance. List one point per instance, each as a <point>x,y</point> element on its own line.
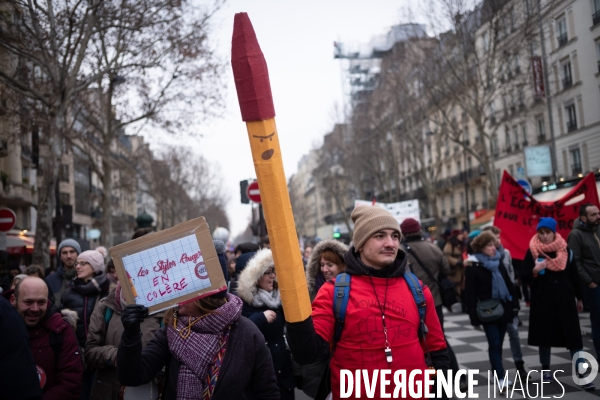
<point>376,304</point>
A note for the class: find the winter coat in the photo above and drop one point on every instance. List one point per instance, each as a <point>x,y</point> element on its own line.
<point>362,341</point>
<point>56,281</point>
<point>102,344</point>
<point>478,287</point>
<point>433,259</point>
<point>274,331</point>
<point>553,319</point>
<point>312,373</point>
<point>18,377</point>
<point>246,373</point>
<point>313,267</point>
<point>454,256</point>
<point>82,297</point>
<point>63,373</point>
<point>585,243</point>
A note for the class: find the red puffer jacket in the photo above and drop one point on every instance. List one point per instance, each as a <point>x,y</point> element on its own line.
<point>363,342</point>
<point>61,375</point>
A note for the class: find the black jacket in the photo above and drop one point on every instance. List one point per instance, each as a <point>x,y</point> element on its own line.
<point>82,297</point>
<point>478,287</point>
<point>553,318</point>
<point>246,373</point>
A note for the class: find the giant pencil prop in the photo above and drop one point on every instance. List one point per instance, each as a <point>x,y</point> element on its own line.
<point>256,103</point>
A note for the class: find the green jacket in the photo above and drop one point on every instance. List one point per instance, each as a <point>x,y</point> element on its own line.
<point>585,243</point>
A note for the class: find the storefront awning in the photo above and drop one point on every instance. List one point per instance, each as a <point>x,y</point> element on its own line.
<point>22,244</point>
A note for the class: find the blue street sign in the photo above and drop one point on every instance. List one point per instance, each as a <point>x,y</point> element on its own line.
<point>525,184</point>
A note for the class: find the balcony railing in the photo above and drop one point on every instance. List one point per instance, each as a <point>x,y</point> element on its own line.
<point>541,138</point>
<point>571,126</point>
<point>576,169</point>
<point>567,82</point>
<point>596,17</point>
<point>562,39</point>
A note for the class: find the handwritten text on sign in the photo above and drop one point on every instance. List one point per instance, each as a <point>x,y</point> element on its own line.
<point>167,271</point>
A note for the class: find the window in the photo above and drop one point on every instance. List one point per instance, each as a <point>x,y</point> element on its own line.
<point>25,175</point>
<point>576,157</point>
<point>63,173</point>
<point>495,148</point>
<point>511,170</point>
<point>516,137</point>
<point>561,27</point>
<point>596,15</point>
<point>484,196</point>
<point>534,49</point>
<point>567,77</point>
<point>486,41</point>
<point>492,112</point>
<point>521,98</point>
<point>598,45</point>
<point>541,129</point>
<point>507,140</point>
<point>527,4</point>
<point>571,117</point>
<point>462,201</point>
<point>524,134</point>
<point>452,204</point>
<point>458,167</point>
<point>469,163</point>
<point>65,198</point>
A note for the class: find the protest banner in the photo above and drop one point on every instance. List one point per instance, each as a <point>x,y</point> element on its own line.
<point>170,267</point>
<point>518,213</point>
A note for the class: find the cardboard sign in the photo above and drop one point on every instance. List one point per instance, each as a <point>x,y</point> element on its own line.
<point>170,267</point>
<point>518,213</point>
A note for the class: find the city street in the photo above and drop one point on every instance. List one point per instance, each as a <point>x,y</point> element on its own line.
<point>470,346</point>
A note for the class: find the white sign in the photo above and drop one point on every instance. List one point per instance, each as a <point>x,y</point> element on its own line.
<point>400,210</point>
<point>168,271</point>
<point>538,161</point>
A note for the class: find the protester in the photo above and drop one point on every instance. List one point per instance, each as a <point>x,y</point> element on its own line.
<point>257,287</point>
<point>67,251</point>
<point>553,319</point>
<point>35,270</point>
<point>490,293</point>
<point>13,271</point>
<point>200,339</point>
<point>377,269</point>
<point>246,247</point>
<point>585,243</point>
<point>453,250</point>
<point>87,289</point>
<point>325,263</point>
<point>111,273</point>
<point>17,368</point>
<point>104,336</point>
<point>53,343</point>
<point>511,327</point>
<point>240,263</point>
<point>306,255</point>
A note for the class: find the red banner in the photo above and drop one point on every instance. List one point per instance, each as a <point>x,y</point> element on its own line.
<point>518,213</point>
<point>538,77</point>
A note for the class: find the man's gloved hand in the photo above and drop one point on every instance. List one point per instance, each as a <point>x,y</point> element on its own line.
<point>132,317</point>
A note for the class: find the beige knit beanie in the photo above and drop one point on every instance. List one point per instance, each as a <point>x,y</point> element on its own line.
<point>368,220</point>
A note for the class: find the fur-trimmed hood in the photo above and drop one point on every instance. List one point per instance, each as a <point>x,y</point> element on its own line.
<point>313,267</point>
<point>70,316</point>
<point>256,267</point>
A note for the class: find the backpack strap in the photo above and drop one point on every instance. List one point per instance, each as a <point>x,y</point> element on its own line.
<point>417,291</point>
<point>341,294</point>
<point>107,316</point>
<point>56,342</point>
<point>570,256</point>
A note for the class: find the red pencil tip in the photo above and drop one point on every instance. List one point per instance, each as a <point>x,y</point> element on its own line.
<point>250,72</point>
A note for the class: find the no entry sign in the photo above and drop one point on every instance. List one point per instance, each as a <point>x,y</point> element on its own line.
<point>8,218</point>
<point>252,192</point>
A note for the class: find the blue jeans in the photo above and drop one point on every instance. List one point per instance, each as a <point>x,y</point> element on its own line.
<point>594,304</point>
<point>515,342</point>
<point>495,337</point>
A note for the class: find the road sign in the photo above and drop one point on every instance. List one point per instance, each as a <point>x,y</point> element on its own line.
<point>8,218</point>
<point>525,184</point>
<point>520,173</point>
<point>253,192</point>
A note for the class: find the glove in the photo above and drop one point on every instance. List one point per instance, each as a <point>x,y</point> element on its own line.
<point>132,317</point>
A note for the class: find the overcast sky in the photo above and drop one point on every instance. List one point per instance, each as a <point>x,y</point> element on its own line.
<point>296,38</point>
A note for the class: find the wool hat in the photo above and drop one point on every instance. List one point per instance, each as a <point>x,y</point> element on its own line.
<point>69,243</point>
<point>548,223</point>
<point>474,234</point>
<point>410,225</point>
<point>95,259</point>
<point>368,220</point>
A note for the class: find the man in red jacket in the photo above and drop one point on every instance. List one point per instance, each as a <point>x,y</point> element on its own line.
<point>53,342</point>
<point>381,329</point>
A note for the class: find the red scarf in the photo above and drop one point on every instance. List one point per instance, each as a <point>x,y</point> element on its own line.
<point>558,246</point>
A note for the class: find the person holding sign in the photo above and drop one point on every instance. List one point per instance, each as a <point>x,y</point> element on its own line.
<point>257,286</point>
<point>553,319</point>
<point>210,351</point>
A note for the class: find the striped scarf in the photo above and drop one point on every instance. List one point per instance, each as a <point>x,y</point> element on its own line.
<point>558,246</point>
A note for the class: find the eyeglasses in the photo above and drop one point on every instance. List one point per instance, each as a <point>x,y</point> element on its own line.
<point>82,263</point>
<point>270,272</point>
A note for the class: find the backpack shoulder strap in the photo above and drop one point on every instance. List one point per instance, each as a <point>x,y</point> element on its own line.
<point>56,342</point>
<point>341,294</point>
<point>570,256</point>
<point>417,291</point>
<point>108,313</point>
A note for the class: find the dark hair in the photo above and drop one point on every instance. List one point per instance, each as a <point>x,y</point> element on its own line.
<point>583,209</point>
<point>35,269</point>
<point>265,240</point>
<point>494,229</point>
<point>246,247</point>
<point>484,238</point>
<point>110,265</point>
<point>142,232</point>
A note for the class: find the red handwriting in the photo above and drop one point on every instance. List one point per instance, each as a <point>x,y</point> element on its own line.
<point>164,265</point>
<point>168,289</point>
<point>164,279</point>
<point>142,272</point>
<point>193,258</point>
